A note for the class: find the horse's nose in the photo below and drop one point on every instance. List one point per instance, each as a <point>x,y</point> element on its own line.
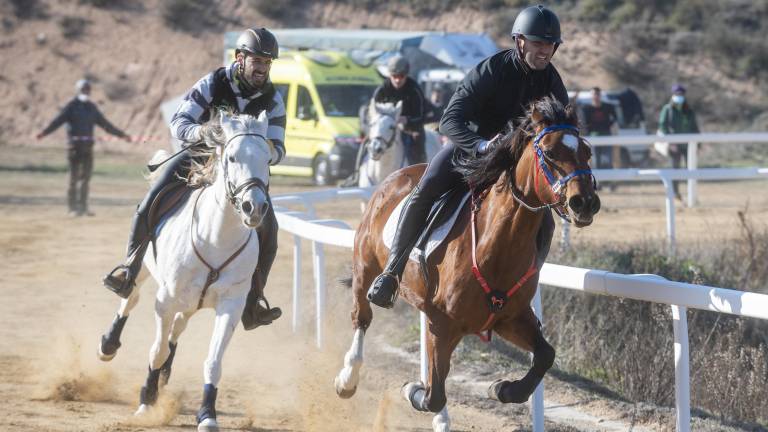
<point>580,203</point>
<point>247,207</point>
<point>595,204</point>
<point>264,208</point>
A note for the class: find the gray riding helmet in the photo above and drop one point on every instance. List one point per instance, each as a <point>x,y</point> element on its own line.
<point>398,65</point>
<point>537,23</point>
<point>257,41</point>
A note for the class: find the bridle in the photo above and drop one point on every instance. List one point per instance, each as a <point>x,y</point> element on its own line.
<point>231,189</point>
<point>387,143</point>
<point>557,185</point>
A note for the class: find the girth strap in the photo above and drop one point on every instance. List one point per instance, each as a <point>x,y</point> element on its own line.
<point>213,273</point>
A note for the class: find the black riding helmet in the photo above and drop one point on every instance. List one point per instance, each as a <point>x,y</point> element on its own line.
<point>257,41</point>
<point>537,23</point>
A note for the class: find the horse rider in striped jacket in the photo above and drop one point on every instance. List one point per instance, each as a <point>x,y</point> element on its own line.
<point>242,87</point>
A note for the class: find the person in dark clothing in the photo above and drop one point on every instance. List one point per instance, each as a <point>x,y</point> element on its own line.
<point>598,120</point>
<point>242,87</point>
<point>496,92</point>
<point>81,115</point>
<point>434,107</point>
<point>400,87</point>
<point>677,117</point>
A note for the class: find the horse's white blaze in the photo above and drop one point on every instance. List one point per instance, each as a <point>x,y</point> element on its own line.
<point>571,141</point>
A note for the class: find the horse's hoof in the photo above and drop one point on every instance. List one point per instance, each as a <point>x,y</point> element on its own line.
<point>208,425</point>
<point>143,410</point>
<point>441,422</point>
<point>107,350</point>
<point>506,391</point>
<point>410,392</point>
<point>341,391</point>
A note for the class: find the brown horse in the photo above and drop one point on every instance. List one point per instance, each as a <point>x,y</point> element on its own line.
<point>542,165</point>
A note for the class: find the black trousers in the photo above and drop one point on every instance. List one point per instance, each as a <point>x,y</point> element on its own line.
<point>80,157</point>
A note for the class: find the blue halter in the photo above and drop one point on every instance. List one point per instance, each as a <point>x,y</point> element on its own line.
<point>557,185</point>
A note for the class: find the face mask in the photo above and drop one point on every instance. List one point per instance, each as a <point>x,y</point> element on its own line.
<point>82,97</point>
<point>678,99</point>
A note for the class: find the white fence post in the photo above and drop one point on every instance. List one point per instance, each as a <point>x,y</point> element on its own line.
<point>296,282</point>
<point>682,369</point>
<point>692,160</point>
<point>537,398</point>
<point>318,257</point>
<point>670,206</point>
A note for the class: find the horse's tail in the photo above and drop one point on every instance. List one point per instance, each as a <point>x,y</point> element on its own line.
<point>346,281</point>
<point>157,158</point>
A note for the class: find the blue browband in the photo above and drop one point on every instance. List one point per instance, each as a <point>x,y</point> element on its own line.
<point>556,184</point>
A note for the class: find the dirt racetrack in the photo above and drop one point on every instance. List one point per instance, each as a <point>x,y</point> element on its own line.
<point>54,310</point>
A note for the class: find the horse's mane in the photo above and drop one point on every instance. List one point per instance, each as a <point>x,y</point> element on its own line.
<point>204,173</point>
<point>203,157</point>
<point>483,171</point>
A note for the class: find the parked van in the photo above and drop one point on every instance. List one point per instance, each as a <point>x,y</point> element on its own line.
<point>323,92</point>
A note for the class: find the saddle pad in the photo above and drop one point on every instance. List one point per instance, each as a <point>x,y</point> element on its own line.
<point>436,237</point>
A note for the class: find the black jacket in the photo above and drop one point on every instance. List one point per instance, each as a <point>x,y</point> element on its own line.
<point>498,90</point>
<point>80,118</point>
<point>413,101</point>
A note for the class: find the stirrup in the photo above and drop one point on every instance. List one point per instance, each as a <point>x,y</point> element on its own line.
<point>382,295</point>
<point>121,287</point>
<point>263,315</point>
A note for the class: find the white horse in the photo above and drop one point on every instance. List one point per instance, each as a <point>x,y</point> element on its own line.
<point>385,153</point>
<point>206,252</point>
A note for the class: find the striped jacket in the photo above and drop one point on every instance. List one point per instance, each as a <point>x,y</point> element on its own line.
<point>219,90</point>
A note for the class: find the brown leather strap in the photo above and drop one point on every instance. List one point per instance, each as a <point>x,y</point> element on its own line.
<point>213,273</point>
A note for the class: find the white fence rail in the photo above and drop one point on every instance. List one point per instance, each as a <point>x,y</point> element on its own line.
<point>652,288</point>
<point>693,141</point>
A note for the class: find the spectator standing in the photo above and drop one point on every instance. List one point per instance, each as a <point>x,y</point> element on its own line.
<point>81,115</point>
<point>677,117</point>
<point>598,119</point>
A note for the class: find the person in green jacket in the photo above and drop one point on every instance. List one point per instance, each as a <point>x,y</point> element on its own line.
<point>677,117</point>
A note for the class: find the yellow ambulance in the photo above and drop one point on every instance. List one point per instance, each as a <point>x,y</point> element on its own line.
<point>323,92</point>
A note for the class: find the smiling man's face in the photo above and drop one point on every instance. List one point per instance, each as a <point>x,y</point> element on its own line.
<point>536,54</point>
<point>255,68</point>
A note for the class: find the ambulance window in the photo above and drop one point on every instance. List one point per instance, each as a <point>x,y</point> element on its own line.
<point>305,109</point>
<point>283,90</point>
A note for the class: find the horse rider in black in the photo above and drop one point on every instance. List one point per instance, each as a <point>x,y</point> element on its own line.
<point>498,90</point>
<point>242,87</point>
<point>399,87</point>
<point>81,115</point>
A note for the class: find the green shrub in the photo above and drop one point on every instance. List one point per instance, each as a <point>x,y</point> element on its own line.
<point>191,16</point>
<point>73,27</point>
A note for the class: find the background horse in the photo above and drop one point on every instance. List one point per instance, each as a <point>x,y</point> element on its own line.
<point>205,255</point>
<point>385,153</point>
<point>543,165</point>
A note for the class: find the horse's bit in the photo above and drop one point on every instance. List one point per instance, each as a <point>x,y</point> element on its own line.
<point>558,185</point>
<point>232,190</point>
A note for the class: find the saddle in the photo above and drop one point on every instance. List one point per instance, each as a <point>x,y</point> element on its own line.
<point>441,218</point>
<point>170,199</point>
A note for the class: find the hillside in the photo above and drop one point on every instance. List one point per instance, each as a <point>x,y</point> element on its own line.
<point>139,53</point>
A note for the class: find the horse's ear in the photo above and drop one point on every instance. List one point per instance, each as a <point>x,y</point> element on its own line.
<point>571,114</point>
<point>536,116</point>
<point>262,118</point>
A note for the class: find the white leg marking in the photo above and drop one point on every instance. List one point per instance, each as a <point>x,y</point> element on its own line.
<point>441,422</point>
<point>348,378</point>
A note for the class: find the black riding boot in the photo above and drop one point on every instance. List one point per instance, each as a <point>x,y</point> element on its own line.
<point>383,290</point>
<point>257,311</point>
<point>122,278</point>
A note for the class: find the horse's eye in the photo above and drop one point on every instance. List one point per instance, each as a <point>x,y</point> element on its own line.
<point>231,159</point>
<point>549,154</point>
